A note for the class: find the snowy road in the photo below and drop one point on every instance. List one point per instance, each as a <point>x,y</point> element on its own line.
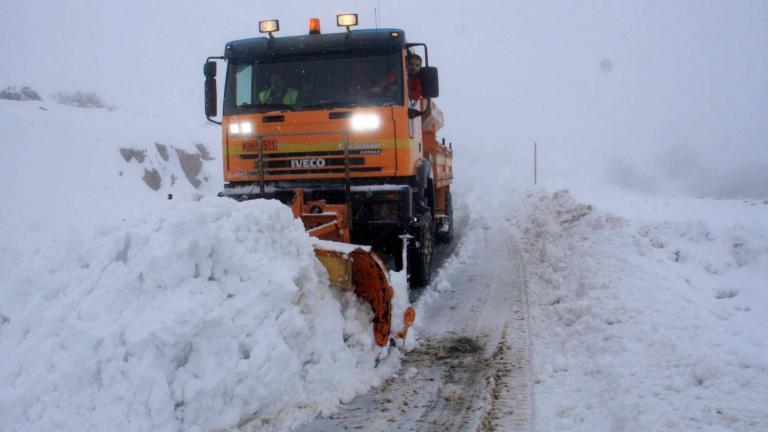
<point>471,370</point>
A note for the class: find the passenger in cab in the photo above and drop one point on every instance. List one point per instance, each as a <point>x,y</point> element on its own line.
<point>414,78</point>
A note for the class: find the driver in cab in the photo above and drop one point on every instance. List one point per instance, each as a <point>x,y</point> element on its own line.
<point>278,92</point>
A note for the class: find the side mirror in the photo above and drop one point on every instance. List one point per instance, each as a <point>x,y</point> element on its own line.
<point>430,87</point>
<point>209,70</point>
<point>211,101</point>
<point>210,97</point>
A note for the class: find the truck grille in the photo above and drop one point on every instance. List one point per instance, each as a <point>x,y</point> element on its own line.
<point>324,162</point>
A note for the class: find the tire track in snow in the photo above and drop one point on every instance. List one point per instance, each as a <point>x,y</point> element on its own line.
<point>471,371</point>
<point>512,405</point>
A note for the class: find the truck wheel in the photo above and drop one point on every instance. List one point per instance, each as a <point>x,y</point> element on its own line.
<point>445,232</point>
<point>420,257</point>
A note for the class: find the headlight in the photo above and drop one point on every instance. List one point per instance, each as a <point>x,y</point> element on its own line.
<point>365,122</point>
<point>242,128</point>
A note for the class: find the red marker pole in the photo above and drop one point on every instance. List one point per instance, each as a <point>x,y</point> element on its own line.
<point>535,164</point>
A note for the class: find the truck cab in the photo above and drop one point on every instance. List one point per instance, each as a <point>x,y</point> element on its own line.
<point>330,114</point>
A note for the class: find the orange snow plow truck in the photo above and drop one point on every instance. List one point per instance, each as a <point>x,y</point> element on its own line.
<point>326,124</point>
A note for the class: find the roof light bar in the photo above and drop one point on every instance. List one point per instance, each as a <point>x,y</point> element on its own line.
<point>269,26</point>
<point>346,20</point>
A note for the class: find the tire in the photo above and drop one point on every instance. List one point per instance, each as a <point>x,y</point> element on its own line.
<point>420,255</point>
<point>447,235</point>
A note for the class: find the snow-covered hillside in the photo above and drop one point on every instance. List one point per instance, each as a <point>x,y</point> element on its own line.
<point>68,168</point>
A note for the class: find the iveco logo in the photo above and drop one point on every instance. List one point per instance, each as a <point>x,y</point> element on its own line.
<point>307,163</point>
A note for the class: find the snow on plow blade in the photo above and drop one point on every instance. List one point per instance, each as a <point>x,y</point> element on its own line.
<point>362,272</point>
<point>351,267</point>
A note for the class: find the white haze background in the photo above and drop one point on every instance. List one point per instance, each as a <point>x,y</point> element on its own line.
<point>663,97</point>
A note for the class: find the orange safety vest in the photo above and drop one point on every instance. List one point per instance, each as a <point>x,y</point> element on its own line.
<point>289,96</point>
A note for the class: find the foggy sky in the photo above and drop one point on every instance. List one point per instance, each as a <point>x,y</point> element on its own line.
<point>653,95</point>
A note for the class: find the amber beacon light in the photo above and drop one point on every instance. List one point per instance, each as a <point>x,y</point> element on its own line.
<point>314,26</point>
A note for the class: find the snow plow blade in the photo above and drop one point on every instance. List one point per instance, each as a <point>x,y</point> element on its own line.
<point>363,273</point>
<point>351,267</point>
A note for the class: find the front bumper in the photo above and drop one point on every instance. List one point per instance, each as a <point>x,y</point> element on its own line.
<point>382,205</point>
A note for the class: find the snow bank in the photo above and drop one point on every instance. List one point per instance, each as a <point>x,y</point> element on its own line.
<point>644,325</point>
<point>195,319</point>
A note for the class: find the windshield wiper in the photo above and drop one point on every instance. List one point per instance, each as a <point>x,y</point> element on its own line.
<point>269,106</point>
<point>329,105</point>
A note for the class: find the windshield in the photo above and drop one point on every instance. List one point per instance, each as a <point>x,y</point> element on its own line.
<point>309,83</point>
